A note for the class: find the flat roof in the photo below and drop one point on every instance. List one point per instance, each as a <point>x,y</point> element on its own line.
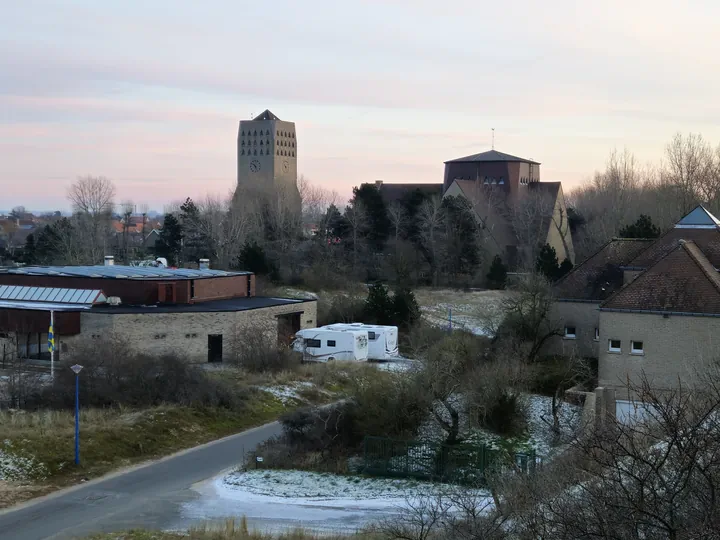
<point>230,304</point>
<point>120,272</point>
<point>213,306</point>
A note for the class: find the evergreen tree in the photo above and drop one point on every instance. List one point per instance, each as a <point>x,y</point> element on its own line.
<point>497,276</point>
<point>379,307</point>
<point>378,228</point>
<point>195,244</point>
<point>547,262</point>
<point>28,254</point>
<point>406,310</point>
<point>169,243</point>
<point>461,242</point>
<point>642,228</point>
<point>252,258</point>
<point>564,268</point>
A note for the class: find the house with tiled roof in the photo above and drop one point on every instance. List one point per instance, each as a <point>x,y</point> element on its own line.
<point>578,295</point>
<point>656,303</point>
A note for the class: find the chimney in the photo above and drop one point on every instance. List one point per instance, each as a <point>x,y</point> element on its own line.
<point>378,183</point>
<point>204,264</point>
<point>109,260</point>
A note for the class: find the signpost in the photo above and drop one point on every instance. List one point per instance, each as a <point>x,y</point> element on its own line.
<point>76,369</point>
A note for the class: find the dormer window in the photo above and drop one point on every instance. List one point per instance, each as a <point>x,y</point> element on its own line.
<point>486,181</point>
<point>493,182</point>
<point>501,181</point>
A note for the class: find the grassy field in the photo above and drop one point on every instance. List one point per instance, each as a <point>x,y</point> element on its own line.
<point>37,448</point>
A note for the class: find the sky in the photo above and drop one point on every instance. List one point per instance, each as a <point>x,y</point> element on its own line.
<point>149,93</point>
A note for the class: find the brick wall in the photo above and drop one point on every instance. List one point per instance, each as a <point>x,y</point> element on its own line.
<point>674,347</point>
<point>585,317</point>
<point>187,333</point>
<point>219,288</point>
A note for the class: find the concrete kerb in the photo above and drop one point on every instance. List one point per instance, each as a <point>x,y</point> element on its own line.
<point>127,470</point>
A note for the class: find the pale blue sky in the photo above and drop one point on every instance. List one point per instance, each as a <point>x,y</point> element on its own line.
<point>149,93</point>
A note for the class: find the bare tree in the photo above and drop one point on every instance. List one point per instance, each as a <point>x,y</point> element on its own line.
<point>357,217</point>
<point>654,475</point>
<point>690,170</point>
<point>92,200</point>
<point>431,218</point>
<point>399,219</point>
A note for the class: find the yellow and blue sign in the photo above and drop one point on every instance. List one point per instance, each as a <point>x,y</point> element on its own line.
<point>51,339</point>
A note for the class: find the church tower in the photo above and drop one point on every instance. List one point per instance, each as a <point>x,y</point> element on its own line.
<point>267,156</point>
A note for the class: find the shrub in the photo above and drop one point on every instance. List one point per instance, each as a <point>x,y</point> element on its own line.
<point>497,275</point>
<point>494,399</point>
<point>253,349</point>
<point>341,308</point>
<point>114,375</point>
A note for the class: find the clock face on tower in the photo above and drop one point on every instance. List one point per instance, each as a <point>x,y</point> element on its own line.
<point>286,167</point>
<point>254,165</point>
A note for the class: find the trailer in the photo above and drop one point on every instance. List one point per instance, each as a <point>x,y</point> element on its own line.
<point>382,340</point>
<point>324,345</point>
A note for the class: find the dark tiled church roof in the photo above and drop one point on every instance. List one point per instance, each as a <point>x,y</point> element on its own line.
<point>491,155</point>
<point>682,281</point>
<point>395,192</point>
<point>598,276</point>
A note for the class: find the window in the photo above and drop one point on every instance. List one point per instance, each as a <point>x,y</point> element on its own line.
<point>372,336</point>
<point>636,347</point>
<point>501,181</point>
<point>255,133</point>
<point>255,153</point>
<point>261,142</point>
<point>486,181</point>
<point>313,343</point>
<point>293,154</point>
<point>243,133</point>
<point>242,153</point>
<point>242,144</point>
<point>277,152</point>
<point>597,334</point>
<point>331,342</point>
<point>614,345</point>
<point>569,332</point>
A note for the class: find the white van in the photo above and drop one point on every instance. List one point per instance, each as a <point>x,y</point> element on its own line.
<point>323,345</point>
<point>382,340</point>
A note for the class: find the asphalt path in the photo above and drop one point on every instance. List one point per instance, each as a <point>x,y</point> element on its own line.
<point>146,496</point>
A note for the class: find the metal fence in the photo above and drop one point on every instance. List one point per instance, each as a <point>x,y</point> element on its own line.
<point>462,463</point>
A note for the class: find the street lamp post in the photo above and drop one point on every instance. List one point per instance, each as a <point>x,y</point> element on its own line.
<point>76,369</point>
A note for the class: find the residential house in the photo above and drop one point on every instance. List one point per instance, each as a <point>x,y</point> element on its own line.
<point>663,322</point>
<point>578,296</point>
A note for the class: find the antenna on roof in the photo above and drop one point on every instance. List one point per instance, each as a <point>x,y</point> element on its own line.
<point>493,138</point>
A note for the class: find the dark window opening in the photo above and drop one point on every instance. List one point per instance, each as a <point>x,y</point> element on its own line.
<point>331,343</point>
<point>313,343</point>
<point>372,336</point>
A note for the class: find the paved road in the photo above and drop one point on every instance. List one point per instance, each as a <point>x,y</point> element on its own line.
<point>148,496</point>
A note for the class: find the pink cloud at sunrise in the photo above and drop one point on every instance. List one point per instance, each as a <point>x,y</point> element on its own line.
<point>150,94</point>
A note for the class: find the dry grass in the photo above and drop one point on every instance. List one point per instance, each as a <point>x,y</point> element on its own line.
<point>230,530</point>
<point>113,438</point>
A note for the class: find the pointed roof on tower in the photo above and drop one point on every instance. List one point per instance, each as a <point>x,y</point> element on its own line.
<point>266,115</point>
<point>490,156</point>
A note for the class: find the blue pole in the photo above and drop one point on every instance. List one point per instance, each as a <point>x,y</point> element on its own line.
<point>77,420</point>
<point>450,319</point>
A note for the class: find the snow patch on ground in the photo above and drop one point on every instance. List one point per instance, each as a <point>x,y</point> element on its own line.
<point>288,393</point>
<point>472,311</point>
<point>16,467</point>
<point>274,500</point>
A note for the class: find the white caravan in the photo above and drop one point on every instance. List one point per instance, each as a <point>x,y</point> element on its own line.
<point>382,340</point>
<point>323,345</point>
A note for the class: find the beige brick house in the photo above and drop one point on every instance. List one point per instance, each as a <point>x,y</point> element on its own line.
<point>578,296</point>
<point>663,322</point>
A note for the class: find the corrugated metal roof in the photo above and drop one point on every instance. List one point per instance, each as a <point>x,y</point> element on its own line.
<point>17,293</point>
<point>121,272</point>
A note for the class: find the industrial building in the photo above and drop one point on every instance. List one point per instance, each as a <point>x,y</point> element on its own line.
<point>191,312</point>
